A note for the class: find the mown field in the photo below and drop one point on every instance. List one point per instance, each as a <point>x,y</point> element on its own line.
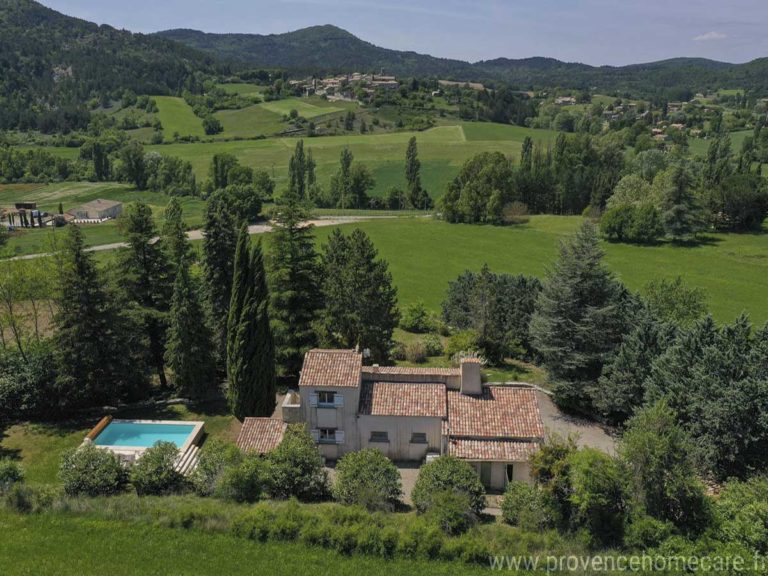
<point>442,151</point>
<point>68,545</point>
<point>73,194</point>
<point>424,255</point>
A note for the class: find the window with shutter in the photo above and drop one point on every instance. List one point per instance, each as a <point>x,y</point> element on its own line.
<point>339,436</point>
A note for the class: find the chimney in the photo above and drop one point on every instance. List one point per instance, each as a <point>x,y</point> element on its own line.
<point>470,377</point>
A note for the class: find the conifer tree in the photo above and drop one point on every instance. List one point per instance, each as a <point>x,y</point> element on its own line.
<point>145,269</point>
<point>360,300</point>
<point>297,170</point>
<point>97,355</point>
<point>189,352</point>
<point>250,350</point>
<point>681,214</point>
<point>578,318</point>
<point>295,297</point>
<point>174,235</point>
<point>219,244</point>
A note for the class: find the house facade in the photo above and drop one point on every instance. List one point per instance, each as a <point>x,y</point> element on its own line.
<point>410,413</point>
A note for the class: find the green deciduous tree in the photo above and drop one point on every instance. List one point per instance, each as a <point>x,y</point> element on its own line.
<point>448,474</point>
<point>417,196</point>
<point>367,478</point>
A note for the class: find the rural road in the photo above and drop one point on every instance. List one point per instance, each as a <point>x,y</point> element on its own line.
<point>253,229</point>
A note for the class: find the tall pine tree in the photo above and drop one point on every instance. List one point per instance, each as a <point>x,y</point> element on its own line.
<point>219,244</point>
<point>250,350</point>
<point>174,234</point>
<point>360,300</point>
<point>578,319</point>
<point>295,297</point>
<point>145,269</point>
<point>97,346</point>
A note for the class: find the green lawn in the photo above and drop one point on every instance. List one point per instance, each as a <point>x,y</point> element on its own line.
<point>73,194</point>
<point>484,131</point>
<point>66,545</point>
<point>242,88</point>
<point>176,116</point>
<point>424,255</point>
<point>699,146</point>
<point>250,122</point>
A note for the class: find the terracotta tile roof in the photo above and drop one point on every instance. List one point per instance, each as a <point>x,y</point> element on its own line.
<point>405,370</point>
<point>260,435</point>
<point>402,399</point>
<point>334,368</point>
<point>499,412</point>
<point>494,450</point>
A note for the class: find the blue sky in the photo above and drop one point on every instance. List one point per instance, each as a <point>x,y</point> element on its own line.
<point>592,31</point>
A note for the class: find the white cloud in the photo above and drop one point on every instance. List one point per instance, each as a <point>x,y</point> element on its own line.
<point>711,36</point>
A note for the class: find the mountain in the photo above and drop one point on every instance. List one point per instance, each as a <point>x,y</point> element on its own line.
<point>51,63</point>
<point>317,48</point>
<point>330,49</point>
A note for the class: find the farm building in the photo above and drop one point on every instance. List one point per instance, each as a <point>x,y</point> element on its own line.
<point>410,413</point>
<point>98,210</point>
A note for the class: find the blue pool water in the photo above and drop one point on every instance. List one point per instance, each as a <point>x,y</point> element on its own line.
<point>143,435</point>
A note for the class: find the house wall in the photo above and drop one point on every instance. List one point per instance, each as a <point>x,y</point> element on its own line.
<point>343,418</point>
<point>400,429</point>
<point>498,478</point>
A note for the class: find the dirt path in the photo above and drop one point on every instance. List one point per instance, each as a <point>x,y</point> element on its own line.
<point>253,229</point>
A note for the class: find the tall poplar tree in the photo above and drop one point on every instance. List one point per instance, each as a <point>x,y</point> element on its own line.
<point>174,234</point>
<point>219,244</point>
<point>250,351</point>
<point>294,287</point>
<point>417,196</point>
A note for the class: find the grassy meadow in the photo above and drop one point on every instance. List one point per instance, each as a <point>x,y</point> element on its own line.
<point>442,151</point>
<point>76,545</point>
<point>176,116</point>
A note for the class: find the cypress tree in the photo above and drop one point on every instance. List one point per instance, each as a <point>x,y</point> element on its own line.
<point>295,297</point>
<point>96,344</point>
<point>219,245</point>
<point>297,169</point>
<point>174,234</point>
<point>417,196</point>
<point>578,318</point>
<point>145,269</point>
<point>251,351</point>
<point>189,352</point>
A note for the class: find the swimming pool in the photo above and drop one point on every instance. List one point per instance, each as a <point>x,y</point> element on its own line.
<point>138,435</point>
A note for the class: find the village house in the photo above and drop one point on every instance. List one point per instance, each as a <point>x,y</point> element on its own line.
<point>565,100</point>
<point>410,414</point>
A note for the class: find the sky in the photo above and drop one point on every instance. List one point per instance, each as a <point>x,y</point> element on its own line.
<point>597,32</point>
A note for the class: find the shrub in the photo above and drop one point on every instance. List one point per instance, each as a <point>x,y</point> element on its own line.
<point>451,512</point>
<point>615,223</point>
<point>645,532</point>
<point>398,351</point>
<point>10,474</point>
<point>91,471</point>
<point>255,524</point>
<point>243,482</point>
<point>415,352</point>
<point>416,318</point>
<point>448,474</point>
<point>295,468</point>
<point>367,478</point>
<point>214,458</point>
<point>155,471</point>
<point>515,213</point>
<point>26,499</point>
<point>526,506</point>
<point>464,341</point>
<point>433,346</point>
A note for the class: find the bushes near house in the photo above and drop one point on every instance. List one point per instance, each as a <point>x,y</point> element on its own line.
<point>295,468</point>
<point>526,506</point>
<point>369,479</point>
<point>416,318</point>
<point>433,346</point>
<point>215,456</point>
<point>415,352</point>
<point>155,473</point>
<point>447,474</point>
<point>242,482</point>
<point>90,471</point>
<point>451,512</point>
